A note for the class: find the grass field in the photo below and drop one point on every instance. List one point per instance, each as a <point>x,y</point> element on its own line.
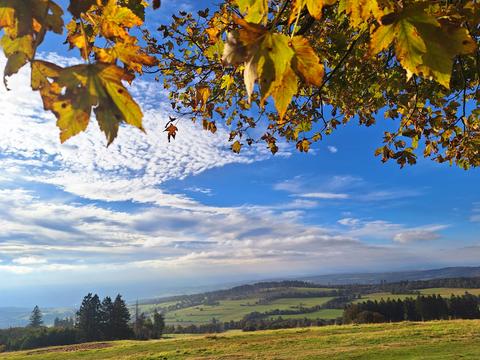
<point>326,314</point>
<point>228,310</point>
<point>236,309</point>
<point>445,292</point>
<point>434,340</point>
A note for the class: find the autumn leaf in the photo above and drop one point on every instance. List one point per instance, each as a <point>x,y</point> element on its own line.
<point>137,7</point>
<point>78,37</point>
<point>18,52</point>
<point>314,7</point>
<point>25,24</point>
<point>236,147</point>
<point>43,76</point>
<point>359,11</point>
<point>77,7</point>
<point>116,19</point>
<point>86,87</point>
<point>303,145</point>
<point>7,14</point>
<point>306,63</point>
<point>130,54</point>
<point>274,57</point>
<point>172,131</point>
<point>202,93</point>
<point>256,11</point>
<point>283,91</point>
<point>423,45</point>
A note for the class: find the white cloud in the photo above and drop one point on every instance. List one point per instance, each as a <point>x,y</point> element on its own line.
<point>386,195</point>
<point>385,230</point>
<point>349,221</point>
<point>323,195</point>
<point>201,190</point>
<point>424,233</point>
<point>332,149</point>
<point>29,260</point>
<point>290,185</point>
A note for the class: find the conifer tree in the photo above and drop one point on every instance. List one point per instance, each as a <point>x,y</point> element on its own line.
<point>36,318</point>
<point>158,324</point>
<point>88,318</point>
<point>106,316</point>
<point>120,319</point>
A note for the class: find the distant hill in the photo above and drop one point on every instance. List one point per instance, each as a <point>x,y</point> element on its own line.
<point>376,278</point>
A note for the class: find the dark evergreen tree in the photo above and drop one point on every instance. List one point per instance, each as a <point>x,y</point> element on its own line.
<point>67,323</point>
<point>36,318</point>
<point>158,324</point>
<point>143,327</point>
<point>120,319</point>
<point>89,318</point>
<point>106,317</point>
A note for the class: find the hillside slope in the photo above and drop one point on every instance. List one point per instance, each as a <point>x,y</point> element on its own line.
<point>433,340</point>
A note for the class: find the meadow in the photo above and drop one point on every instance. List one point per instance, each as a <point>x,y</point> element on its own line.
<point>228,310</point>
<point>432,340</point>
<point>235,309</point>
<point>444,292</point>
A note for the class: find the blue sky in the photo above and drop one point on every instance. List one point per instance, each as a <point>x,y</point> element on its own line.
<point>144,217</point>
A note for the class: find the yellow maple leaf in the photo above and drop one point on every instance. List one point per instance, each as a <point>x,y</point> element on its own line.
<point>306,62</point>
<point>116,19</point>
<point>130,54</point>
<point>79,89</point>
<point>423,45</point>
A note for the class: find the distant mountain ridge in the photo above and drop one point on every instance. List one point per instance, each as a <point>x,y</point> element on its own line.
<point>394,276</point>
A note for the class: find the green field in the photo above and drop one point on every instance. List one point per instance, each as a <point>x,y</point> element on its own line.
<point>326,314</point>
<point>227,310</point>
<point>236,309</point>
<point>444,292</point>
<point>434,340</point>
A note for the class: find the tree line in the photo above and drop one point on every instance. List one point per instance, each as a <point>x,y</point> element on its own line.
<point>95,320</point>
<point>421,308</point>
<point>248,323</point>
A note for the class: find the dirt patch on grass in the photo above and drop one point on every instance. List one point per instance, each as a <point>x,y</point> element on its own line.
<point>72,348</point>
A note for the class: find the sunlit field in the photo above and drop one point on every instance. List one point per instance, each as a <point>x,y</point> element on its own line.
<point>432,340</point>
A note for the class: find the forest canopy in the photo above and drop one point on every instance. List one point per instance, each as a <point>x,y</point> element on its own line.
<point>268,70</point>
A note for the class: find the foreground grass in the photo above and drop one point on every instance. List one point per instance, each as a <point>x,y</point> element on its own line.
<point>433,340</point>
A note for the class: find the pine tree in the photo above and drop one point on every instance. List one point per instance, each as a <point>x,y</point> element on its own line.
<point>120,319</point>
<point>89,319</point>
<point>158,324</point>
<point>36,320</point>
<point>106,316</point>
